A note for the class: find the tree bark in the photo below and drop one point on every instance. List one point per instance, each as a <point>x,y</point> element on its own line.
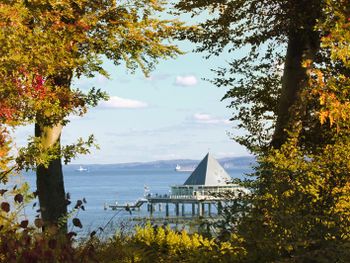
<point>50,183</point>
<point>302,45</point>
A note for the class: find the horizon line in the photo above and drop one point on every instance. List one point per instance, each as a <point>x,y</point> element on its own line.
<point>165,160</point>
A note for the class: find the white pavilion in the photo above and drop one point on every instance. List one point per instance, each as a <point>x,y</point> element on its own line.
<point>208,179</point>
<point>200,190</point>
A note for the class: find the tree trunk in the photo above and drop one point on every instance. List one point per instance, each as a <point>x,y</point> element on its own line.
<point>50,183</point>
<point>302,45</point>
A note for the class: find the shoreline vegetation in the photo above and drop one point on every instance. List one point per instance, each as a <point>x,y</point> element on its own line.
<point>26,242</point>
<point>286,71</point>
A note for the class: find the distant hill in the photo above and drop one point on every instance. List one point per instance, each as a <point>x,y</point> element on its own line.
<point>227,163</point>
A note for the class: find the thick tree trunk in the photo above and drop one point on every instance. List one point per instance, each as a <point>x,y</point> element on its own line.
<point>302,45</point>
<point>50,183</point>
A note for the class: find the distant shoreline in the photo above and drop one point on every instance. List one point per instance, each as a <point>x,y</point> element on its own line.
<point>227,163</point>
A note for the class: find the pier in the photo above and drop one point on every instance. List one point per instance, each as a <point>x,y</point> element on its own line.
<point>203,194</point>
<point>133,206</point>
<point>197,205</point>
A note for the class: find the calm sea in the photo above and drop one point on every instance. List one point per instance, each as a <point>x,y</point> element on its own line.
<point>100,186</point>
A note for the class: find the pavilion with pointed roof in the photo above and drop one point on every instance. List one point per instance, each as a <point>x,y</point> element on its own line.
<point>208,172</point>
<point>199,190</point>
<point>207,179</point>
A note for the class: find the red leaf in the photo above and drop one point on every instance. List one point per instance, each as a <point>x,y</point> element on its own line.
<point>38,222</point>
<point>5,207</point>
<point>77,223</point>
<point>24,224</point>
<point>70,235</point>
<point>78,204</point>
<point>18,198</point>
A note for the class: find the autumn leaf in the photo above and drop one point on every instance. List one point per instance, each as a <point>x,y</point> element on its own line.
<point>5,207</point>
<point>38,222</point>
<point>18,198</point>
<point>77,223</point>
<point>24,224</point>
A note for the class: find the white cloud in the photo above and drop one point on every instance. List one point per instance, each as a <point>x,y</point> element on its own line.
<point>209,119</point>
<point>186,81</point>
<point>115,102</point>
<point>202,117</point>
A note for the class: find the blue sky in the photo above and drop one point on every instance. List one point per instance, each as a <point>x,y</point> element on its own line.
<point>172,114</point>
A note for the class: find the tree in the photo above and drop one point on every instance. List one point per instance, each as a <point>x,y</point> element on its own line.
<point>278,33</point>
<point>46,44</point>
<point>299,207</point>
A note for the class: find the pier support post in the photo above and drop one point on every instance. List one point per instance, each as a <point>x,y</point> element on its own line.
<point>209,209</point>
<point>200,212</point>
<point>219,208</point>
<point>183,209</point>
<point>167,210</point>
<point>203,209</point>
<point>160,207</point>
<point>151,209</point>
<point>177,212</point>
<point>193,209</point>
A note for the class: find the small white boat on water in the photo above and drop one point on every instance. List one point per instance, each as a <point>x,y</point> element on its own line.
<point>81,169</point>
<point>178,168</point>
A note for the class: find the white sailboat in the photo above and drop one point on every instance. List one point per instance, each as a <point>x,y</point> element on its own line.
<point>178,168</point>
<point>81,169</point>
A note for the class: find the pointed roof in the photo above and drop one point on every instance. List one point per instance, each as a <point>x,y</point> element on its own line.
<point>208,172</point>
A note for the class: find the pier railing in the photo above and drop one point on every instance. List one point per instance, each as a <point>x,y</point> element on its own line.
<point>170,198</point>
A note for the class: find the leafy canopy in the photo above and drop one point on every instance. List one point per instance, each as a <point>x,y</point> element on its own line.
<point>44,44</point>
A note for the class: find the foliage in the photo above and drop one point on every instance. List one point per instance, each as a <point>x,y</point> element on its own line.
<point>35,153</point>
<point>262,77</point>
<point>43,46</point>
<point>258,30</point>
<point>330,82</point>
<point>5,158</point>
<point>299,207</point>
<point>21,241</point>
<point>166,245</point>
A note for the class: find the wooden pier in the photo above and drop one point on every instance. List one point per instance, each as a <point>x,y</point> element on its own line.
<point>202,192</point>
<point>199,205</point>
<point>132,206</point>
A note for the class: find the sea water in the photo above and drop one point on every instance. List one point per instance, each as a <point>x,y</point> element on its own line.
<point>101,186</point>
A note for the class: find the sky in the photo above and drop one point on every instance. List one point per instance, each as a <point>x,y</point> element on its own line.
<point>172,114</point>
